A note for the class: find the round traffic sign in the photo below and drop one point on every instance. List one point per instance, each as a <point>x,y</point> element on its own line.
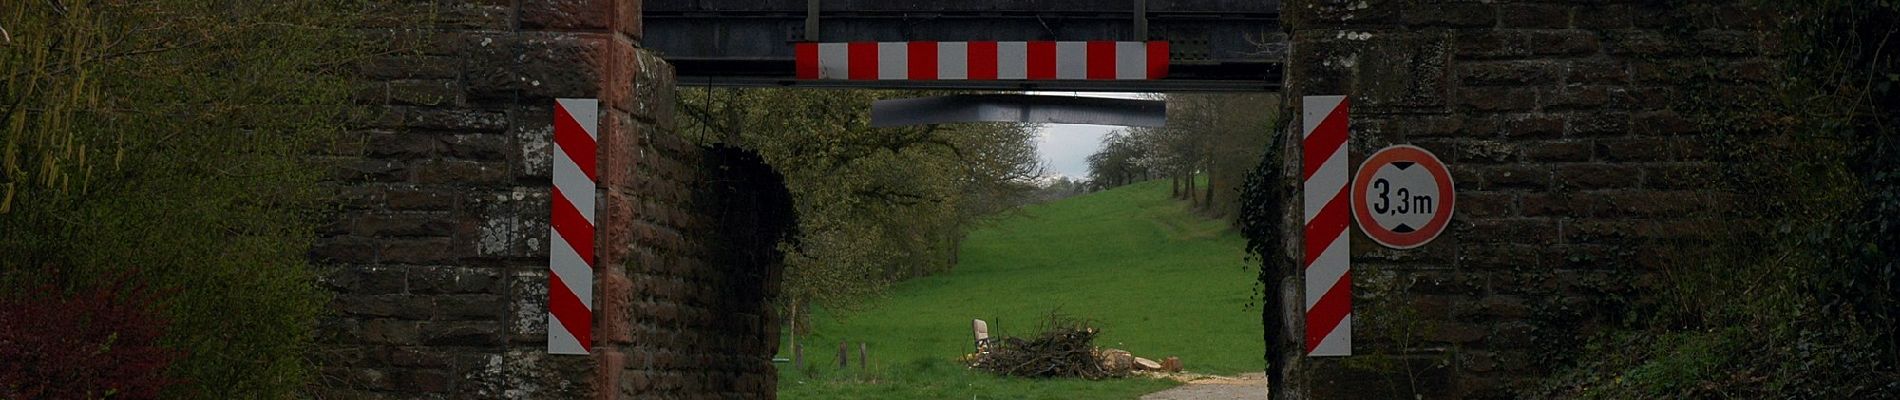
<point>1402,196</point>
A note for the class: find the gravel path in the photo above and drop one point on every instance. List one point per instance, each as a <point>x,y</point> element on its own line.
<point>1207,387</point>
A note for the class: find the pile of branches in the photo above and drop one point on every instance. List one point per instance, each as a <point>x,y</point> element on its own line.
<point>1064,349</point>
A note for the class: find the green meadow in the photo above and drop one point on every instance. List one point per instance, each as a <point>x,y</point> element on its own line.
<point>1157,279</point>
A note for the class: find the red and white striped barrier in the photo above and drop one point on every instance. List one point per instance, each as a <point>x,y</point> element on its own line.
<point>1328,212</point>
<point>571,247</point>
<point>983,61</point>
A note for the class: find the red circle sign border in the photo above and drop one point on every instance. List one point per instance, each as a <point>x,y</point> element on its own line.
<point>1362,180</point>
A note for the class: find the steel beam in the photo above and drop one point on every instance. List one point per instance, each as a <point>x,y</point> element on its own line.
<point>1229,45</point>
<point>1019,108</point>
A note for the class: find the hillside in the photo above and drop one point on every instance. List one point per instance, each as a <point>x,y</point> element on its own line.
<point>1159,281</point>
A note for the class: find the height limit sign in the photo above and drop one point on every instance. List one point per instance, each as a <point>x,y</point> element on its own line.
<point>1402,197</point>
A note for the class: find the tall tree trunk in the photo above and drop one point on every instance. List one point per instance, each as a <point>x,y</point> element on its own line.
<point>1176,192</point>
<point>1189,194</point>
<point>956,248</point>
<point>1209,205</point>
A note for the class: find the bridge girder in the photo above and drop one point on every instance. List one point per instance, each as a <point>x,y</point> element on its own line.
<point>1215,45</point>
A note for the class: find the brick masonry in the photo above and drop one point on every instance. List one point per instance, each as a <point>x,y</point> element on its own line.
<point>437,254</point>
<point>1576,171</point>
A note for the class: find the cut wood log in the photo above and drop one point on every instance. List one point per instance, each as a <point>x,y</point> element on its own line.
<point>1117,360</point>
<point>1172,364</point>
<point>1143,364</point>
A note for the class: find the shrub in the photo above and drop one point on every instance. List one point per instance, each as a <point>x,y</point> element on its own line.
<point>87,343</point>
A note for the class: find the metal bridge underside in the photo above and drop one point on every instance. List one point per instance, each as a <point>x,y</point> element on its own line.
<point>1214,45</point>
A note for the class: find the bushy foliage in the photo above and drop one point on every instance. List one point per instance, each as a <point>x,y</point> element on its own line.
<point>874,205</point>
<point>91,342</point>
<point>174,136</point>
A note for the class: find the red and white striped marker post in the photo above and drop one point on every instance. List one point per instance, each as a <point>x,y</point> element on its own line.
<point>1328,211</point>
<point>983,61</point>
<point>571,243</point>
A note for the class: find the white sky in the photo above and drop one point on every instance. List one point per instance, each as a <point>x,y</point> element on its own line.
<point>1065,148</point>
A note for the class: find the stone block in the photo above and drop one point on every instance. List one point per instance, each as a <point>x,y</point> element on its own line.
<point>1450,15</point>
<point>1508,73</point>
<point>1597,176</point>
<point>1484,152</point>
<point>1598,124</point>
<point>1562,42</point>
<point>454,280</point>
<point>628,20</point>
<point>1321,14</point>
<point>1487,204</point>
<point>1640,43</point>
<point>423,224</point>
<point>410,197</point>
<point>475,307</point>
<point>1510,230</point>
<point>1553,205</point>
<point>654,90</point>
<point>1533,126</point>
<point>1597,72</point>
<point>1535,15</point>
<point>391,331</point>
<point>1410,126</point>
<point>537,66</point>
<point>617,90</point>
<point>528,305</point>
<point>461,333</point>
<point>1489,44</point>
<point>449,119</point>
<point>614,308</point>
<point>462,173</point>
<point>1516,176</point>
<point>398,145</point>
<point>398,306</point>
<point>1727,42</point>
<point>1498,99</point>
<point>1584,98</point>
<point>1559,151</point>
<point>416,251</point>
<point>1491,255</point>
<point>568,15</point>
<point>1603,17</point>
<point>478,146</point>
<point>1402,71</point>
<point>621,149</point>
<point>1681,176</point>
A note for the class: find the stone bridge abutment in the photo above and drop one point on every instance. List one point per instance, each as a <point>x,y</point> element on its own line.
<point>438,255</point>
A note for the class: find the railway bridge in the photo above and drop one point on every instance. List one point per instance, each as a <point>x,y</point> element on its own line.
<point>1574,175</point>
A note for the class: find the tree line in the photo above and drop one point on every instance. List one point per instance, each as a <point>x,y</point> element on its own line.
<point>1209,144</point>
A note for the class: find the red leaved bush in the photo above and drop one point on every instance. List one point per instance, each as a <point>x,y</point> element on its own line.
<point>93,342</point>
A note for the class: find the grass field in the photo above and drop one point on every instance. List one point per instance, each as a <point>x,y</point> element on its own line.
<point>1158,280</point>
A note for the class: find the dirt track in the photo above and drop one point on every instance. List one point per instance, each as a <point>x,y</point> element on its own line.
<point>1208,387</point>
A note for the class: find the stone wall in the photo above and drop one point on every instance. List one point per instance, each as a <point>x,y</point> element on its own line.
<point>438,253</point>
<point>1578,172</point>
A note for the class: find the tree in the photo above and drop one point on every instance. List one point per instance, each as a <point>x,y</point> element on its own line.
<point>875,205</point>
<point>1216,137</point>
